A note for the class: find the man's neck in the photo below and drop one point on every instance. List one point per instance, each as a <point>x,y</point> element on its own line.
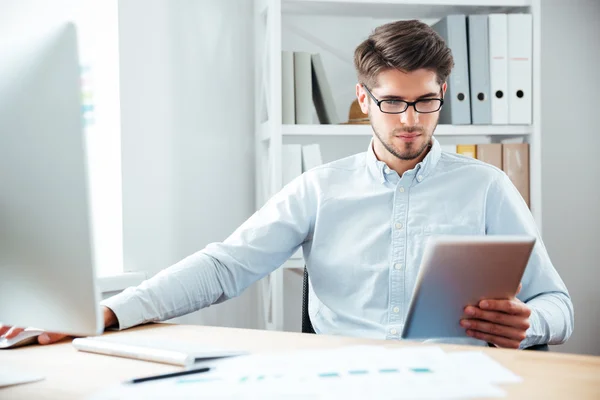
<point>395,163</point>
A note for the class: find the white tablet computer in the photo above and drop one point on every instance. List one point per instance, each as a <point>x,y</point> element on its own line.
<point>457,271</point>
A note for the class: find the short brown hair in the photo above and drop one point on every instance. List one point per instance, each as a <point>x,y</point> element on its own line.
<point>403,45</point>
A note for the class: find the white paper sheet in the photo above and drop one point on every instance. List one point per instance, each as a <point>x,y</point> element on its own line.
<point>482,367</point>
<point>349,373</point>
<point>9,377</point>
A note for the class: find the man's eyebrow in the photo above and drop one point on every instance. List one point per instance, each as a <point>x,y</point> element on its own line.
<point>423,96</point>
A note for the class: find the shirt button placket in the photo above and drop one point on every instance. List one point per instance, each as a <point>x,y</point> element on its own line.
<point>398,250</point>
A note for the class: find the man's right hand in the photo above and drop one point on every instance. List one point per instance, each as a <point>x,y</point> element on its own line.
<point>9,332</point>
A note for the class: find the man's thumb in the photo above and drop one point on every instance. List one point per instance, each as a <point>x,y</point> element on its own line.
<point>47,338</point>
<point>44,338</point>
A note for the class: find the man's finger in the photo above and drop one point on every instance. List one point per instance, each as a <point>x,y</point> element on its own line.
<point>48,338</point>
<point>4,329</point>
<point>497,340</point>
<point>494,329</point>
<point>519,288</point>
<point>498,317</point>
<point>513,306</point>
<point>12,332</point>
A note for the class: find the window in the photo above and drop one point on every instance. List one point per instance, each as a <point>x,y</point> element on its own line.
<point>97,28</point>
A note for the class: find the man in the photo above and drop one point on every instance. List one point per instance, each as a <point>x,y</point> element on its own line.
<point>363,220</point>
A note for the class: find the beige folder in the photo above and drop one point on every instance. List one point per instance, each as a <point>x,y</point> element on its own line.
<point>490,153</point>
<point>515,162</point>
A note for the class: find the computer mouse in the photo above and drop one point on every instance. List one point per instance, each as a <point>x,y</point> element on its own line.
<point>28,336</point>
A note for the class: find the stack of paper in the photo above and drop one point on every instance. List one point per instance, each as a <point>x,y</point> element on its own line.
<point>349,373</point>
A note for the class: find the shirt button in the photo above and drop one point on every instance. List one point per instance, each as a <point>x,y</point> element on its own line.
<point>396,310</point>
<point>397,266</point>
<point>386,170</point>
<point>401,189</point>
<point>420,178</point>
<point>398,225</point>
<point>393,331</point>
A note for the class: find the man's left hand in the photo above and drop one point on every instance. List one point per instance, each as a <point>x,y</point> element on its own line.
<point>500,322</point>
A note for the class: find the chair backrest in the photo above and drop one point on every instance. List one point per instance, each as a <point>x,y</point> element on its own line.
<point>308,328</point>
<point>306,324</point>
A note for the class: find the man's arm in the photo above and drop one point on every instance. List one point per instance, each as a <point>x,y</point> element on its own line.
<point>543,292</point>
<point>223,270</point>
<point>217,273</point>
<point>109,317</point>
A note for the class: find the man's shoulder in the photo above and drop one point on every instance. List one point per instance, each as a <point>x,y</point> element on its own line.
<point>343,166</point>
<point>452,162</point>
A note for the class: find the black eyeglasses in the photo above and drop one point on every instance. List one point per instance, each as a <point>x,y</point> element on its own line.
<point>422,106</point>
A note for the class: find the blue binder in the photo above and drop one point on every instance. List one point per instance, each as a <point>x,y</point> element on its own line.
<point>457,103</point>
<point>479,70</point>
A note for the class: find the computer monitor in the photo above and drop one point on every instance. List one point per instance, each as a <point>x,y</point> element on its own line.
<point>47,276</point>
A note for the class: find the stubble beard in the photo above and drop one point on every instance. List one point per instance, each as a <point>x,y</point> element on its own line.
<point>411,151</point>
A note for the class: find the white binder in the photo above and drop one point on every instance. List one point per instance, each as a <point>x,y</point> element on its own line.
<point>457,101</point>
<point>498,39</point>
<point>288,105</point>
<point>311,156</point>
<point>519,68</point>
<point>322,95</point>
<point>303,87</point>
<point>291,162</point>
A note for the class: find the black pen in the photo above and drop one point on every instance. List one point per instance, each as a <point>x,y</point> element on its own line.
<point>170,375</point>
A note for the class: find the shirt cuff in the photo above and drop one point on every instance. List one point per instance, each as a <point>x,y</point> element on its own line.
<point>127,309</point>
<point>533,333</point>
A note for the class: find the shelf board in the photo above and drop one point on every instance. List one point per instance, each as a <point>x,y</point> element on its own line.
<point>294,263</point>
<point>401,9</point>
<point>441,130</point>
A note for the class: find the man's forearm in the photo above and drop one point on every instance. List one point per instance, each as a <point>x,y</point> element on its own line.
<point>551,319</point>
<point>187,286</point>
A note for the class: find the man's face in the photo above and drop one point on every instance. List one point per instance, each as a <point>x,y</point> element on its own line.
<point>406,135</point>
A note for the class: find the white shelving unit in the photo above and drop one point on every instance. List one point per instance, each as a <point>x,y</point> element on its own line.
<point>271,17</point>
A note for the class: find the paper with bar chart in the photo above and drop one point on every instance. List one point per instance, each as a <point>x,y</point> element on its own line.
<point>420,372</point>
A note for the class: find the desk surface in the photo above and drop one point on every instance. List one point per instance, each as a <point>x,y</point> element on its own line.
<point>73,375</point>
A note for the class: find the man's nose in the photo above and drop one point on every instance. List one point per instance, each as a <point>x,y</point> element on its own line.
<point>409,117</point>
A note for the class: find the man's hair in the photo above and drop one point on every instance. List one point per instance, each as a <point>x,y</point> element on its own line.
<point>403,45</point>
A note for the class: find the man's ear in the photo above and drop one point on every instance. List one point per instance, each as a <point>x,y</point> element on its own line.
<point>363,99</point>
<point>444,87</point>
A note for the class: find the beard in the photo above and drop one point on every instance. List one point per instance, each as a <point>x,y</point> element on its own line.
<point>411,150</point>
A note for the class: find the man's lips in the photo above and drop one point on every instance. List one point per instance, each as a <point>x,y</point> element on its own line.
<point>408,135</point>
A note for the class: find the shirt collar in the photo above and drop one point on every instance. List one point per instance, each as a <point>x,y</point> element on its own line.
<point>423,169</point>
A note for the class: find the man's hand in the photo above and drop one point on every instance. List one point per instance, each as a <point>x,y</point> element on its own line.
<point>47,338</point>
<point>500,322</point>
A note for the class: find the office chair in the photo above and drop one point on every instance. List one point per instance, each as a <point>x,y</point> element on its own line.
<point>306,324</point>
<point>308,328</point>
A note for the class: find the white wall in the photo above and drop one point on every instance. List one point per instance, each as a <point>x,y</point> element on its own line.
<point>570,158</point>
<point>187,127</point>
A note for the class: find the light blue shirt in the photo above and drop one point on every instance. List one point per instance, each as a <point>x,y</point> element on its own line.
<point>363,230</point>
